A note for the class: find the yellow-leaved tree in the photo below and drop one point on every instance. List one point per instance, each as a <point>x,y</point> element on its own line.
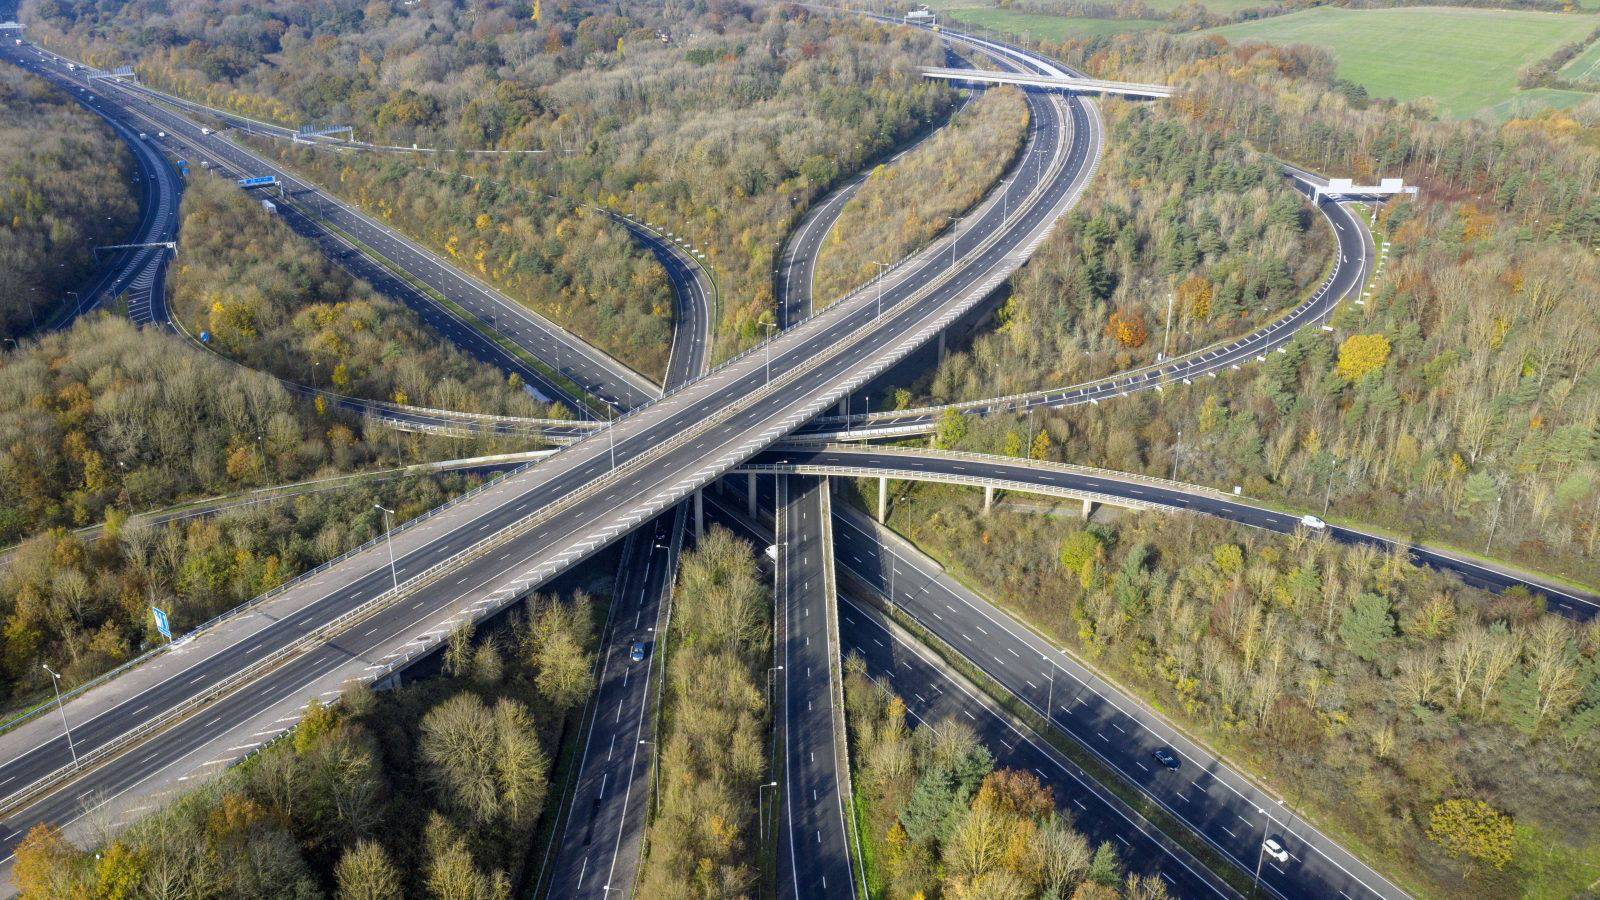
<point>1362,353</point>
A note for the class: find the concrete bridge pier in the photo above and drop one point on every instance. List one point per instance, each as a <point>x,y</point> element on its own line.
<point>750,494</point>
<point>988,497</point>
<point>883,499</point>
<point>1088,508</point>
<point>699,518</point>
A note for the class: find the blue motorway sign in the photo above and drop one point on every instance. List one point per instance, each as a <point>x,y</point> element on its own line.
<point>161,622</point>
<point>258,182</point>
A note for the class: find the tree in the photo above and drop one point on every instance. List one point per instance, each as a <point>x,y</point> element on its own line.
<point>364,872</point>
<point>46,864</point>
<point>1195,296</point>
<point>951,430</point>
<point>1128,328</point>
<point>1472,828</point>
<point>1065,853</point>
<point>1080,552</point>
<point>1367,626</point>
<point>555,642</point>
<point>1106,867</point>
<point>1362,353</point>
<point>1041,445</point>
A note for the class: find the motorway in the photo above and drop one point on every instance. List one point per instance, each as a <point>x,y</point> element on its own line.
<point>136,272</point>
<point>732,413</point>
<point>813,851</point>
<point>1101,485</point>
<point>598,851</point>
<point>1229,811</point>
<point>573,503</point>
<point>603,830</point>
<point>935,697</point>
<point>589,368</point>
<point>1225,808</point>
<point>1354,262</point>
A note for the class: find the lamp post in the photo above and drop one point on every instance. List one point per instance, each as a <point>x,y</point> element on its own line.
<point>1050,699</point>
<point>389,535</point>
<point>1167,334</point>
<point>761,810</point>
<point>1177,447</point>
<point>56,681</point>
<point>611,433</point>
<point>881,268</point>
<point>769,326</point>
<point>654,764</point>
<point>1261,853</point>
<point>953,241</point>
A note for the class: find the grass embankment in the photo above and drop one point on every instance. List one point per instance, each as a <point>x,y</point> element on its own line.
<point>1465,59</point>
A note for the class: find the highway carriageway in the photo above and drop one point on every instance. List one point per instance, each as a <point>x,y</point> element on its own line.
<point>590,368</point>
<point>1103,486</point>
<point>935,696</point>
<point>1355,261</point>
<point>530,526</point>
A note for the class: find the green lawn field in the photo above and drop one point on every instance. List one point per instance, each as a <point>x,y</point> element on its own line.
<point>1465,59</point>
<point>1034,26</point>
<point>1585,66</point>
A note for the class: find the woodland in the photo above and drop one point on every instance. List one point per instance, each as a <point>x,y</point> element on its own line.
<point>66,183</point>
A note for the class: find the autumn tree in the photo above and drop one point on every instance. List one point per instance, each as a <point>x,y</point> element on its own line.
<point>1128,328</point>
<point>1362,353</point>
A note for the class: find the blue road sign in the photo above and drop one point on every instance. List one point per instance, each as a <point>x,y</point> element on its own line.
<point>258,182</point>
<point>161,623</point>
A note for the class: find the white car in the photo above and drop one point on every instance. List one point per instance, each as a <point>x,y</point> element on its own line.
<point>205,131</point>
<point>1272,848</point>
<point>1311,521</point>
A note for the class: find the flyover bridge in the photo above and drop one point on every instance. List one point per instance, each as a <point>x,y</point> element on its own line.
<point>1068,83</point>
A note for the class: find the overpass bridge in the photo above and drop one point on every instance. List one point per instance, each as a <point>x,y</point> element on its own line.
<point>1061,82</point>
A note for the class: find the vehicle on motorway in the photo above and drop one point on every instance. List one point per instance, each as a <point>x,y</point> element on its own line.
<point>636,652</point>
<point>143,136</point>
<point>1272,848</point>
<point>161,134</point>
<point>1166,758</point>
<point>1311,521</point>
<point>205,131</point>
<point>772,552</point>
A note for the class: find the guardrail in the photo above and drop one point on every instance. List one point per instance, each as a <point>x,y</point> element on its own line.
<point>1026,399</point>
<point>841,733</point>
<point>999,484</point>
<point>258,600</point>
<point>561,504</point>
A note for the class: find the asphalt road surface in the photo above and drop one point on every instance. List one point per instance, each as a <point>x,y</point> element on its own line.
<point>935,698</point>
<point>898,463</point>
<point>582,499</point>
<point>1227,810</point>
<point>813,853</point>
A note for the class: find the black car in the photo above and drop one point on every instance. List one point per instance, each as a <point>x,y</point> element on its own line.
<point>1166,758</point>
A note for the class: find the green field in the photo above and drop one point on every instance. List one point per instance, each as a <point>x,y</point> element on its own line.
<point>1465,59</point>
<point>1034,26</point>
<point>1585,66</point>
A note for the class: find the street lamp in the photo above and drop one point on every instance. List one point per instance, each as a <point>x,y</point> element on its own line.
<point>611,432</point>
<point>1177,447</point>
<point>769,326</point>
<point>1261,853</point>
<point>760,810</point>
<point>953,241</point>
<point>881,268</point>
<point>655,763</point>
<point>1050,699</point>
<point>389,534</point>
<point>56,680</point>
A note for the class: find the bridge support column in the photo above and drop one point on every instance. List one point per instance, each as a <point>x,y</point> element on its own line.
<point>941,347</point>
<point>883,499</point>
<point>1088,508</point>
<point>988,497</point>
<point>750,494</point>
<point>699,518</point>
